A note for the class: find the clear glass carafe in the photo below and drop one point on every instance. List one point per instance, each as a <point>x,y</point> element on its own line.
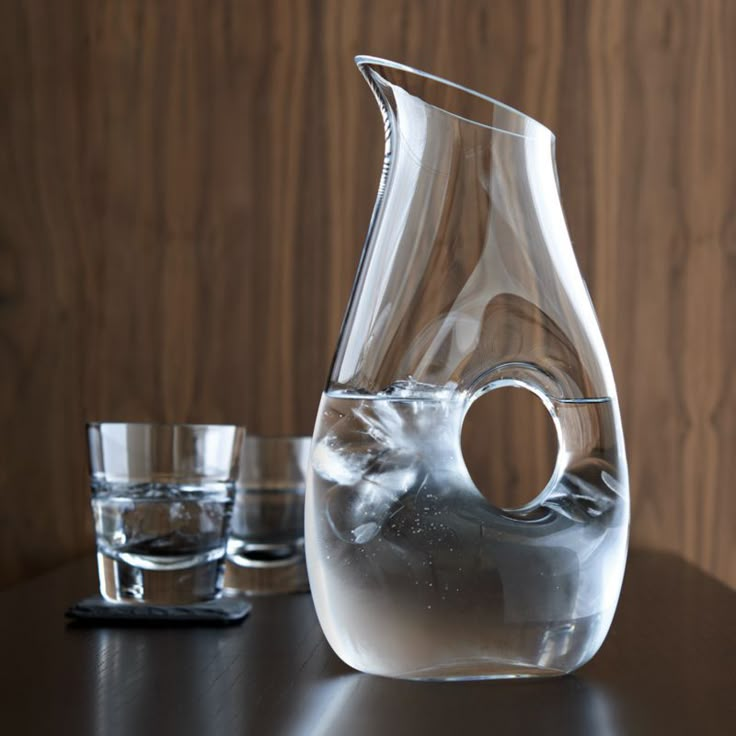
<point>468,283</point>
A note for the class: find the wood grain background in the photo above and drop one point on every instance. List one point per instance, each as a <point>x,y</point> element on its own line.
<point>186,186</point>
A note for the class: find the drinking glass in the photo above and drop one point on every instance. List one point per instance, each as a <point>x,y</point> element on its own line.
<point>162,497</point>
<point>266,547</point>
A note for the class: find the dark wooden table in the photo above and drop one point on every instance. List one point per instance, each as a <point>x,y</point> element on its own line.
<point>667,667</point>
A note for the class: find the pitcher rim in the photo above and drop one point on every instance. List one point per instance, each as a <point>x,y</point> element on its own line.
<point>367,60</point>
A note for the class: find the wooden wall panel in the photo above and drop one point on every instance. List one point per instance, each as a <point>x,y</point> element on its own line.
<point>186,186</point>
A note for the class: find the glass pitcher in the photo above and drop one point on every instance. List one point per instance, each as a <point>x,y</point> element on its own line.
<point>467,283</point>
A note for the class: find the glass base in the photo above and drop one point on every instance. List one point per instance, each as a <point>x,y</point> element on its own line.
<point>460,651</point>
<point>479,670</point>
<point>261,569</point>
<point>167,581</point>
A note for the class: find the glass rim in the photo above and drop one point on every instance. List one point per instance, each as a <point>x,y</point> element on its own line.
<point>277,437</point>
<point>163,425</point>
<point>372,62</point>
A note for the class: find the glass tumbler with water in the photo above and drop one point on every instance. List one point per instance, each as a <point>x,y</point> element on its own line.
<point>266,547</point>
<point>162,497</point>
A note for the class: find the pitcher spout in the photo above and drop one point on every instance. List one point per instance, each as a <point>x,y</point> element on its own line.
<point>387,78</point>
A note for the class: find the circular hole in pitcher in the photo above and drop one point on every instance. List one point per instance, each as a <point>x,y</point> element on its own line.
<point>509,443</point>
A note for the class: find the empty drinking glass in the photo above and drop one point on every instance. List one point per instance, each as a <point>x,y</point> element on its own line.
<point>162,497</point>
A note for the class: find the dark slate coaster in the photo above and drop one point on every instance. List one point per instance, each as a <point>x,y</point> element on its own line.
<point>221,611</point>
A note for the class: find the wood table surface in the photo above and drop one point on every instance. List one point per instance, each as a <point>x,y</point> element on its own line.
<point>667,667</point>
